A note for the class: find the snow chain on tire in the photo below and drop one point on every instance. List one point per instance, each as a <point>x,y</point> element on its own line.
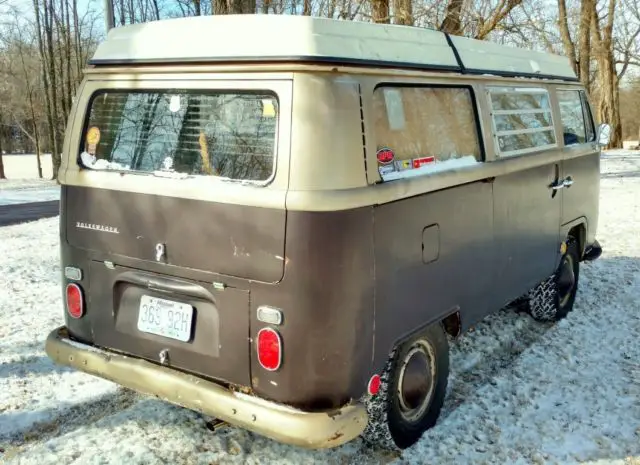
<point>377,433</point>
<point>543,299</point>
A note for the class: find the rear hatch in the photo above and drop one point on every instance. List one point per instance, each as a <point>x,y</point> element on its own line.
<point>178,178</point>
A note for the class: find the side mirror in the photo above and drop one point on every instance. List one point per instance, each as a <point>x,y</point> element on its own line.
<point>603,135</point>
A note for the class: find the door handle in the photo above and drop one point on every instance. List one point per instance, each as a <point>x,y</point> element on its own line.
<point>567,182</point>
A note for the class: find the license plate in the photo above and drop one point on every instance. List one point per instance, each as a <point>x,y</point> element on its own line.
<point>165,318</point>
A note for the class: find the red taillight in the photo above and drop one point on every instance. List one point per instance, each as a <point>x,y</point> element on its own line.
<point>374,385</point>
<point>269,349</point>
<point>75,302</point>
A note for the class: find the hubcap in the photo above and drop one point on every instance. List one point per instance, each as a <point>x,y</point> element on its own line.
<point>566,280</point>
<point>416,381</point>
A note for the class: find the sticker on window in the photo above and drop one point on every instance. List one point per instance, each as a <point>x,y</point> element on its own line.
<point>174,103</point>
<point>418,162</point>
<point>93,137</point>
<point>268,109</point>
<point>402,165</point>
<point>395,109</point>
<point>385,156</point>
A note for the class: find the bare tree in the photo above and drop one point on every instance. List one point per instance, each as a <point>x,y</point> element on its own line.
<point>579,55</point>
<point>608,109</point>
<point>477,19</point>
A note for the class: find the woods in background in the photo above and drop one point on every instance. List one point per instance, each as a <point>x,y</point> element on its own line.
<point>45,46</point>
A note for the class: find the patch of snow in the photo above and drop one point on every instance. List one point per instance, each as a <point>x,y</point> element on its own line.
<point>25,166</point>
<point>23,184</point>
<point>520,392</point>
<point>32,388</point>
<point>27,195</point>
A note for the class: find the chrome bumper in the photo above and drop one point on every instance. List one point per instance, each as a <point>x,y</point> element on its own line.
<point>279,422</point>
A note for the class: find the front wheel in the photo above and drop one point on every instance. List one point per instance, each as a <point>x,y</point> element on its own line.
<point>412,391</point>
<point>553,299</point>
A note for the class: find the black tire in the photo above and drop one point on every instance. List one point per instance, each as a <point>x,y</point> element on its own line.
<point>391,425</point>
<point>553,299</point>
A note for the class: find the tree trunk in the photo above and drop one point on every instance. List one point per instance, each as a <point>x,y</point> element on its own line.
<point>156,9</point>
<point>132,12</point>
<point>219,7</point>
<point>608,109</point>
<point>380,11</point>
<point>45,83</point>
<point>60,53</point>
<point>497,16</point>
<point>567,42</point>
<point>241,6</point>
<point>36,135</point>
<point>306,9</point>
<point>452,22</point>
<point>403,12</point>
<point>67,44</point>
<point>587,10</point>
<point>55,153</point>
<point>2,174</point>
<point>196,7</point>
<point>123,16</point>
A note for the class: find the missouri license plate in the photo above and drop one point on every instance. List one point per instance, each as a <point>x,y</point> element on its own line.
<point>165,318</point>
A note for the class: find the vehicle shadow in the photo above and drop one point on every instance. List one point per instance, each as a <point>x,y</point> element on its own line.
<point>35,425</point>
<point>30,365</point>
<point>486,351</point>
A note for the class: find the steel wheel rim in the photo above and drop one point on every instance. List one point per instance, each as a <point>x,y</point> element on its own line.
<point>416,382</point>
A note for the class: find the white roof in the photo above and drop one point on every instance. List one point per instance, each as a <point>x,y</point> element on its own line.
<point>234,38</point>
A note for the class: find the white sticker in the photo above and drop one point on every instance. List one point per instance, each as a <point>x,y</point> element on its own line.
<point>385,169</point>
<point>395,110</point>
<point>174,104</point>
<point>268,109</point>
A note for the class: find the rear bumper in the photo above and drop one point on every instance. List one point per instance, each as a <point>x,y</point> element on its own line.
<point>276,421</point>
<point>593,251</point>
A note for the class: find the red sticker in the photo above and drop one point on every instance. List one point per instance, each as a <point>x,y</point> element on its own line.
<point>418,162</point>
<point>385,156</point>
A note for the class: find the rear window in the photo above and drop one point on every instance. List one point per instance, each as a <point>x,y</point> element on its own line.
<point>183,133</point>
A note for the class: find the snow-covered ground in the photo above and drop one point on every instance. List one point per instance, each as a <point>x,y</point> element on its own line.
<point>519,393</point>
<point>23,185</point>
<point>25,166</point>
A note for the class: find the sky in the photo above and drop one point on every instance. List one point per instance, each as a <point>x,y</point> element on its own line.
<point>26,8</point>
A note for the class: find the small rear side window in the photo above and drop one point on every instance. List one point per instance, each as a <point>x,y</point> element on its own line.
<point>421,130</point>
<point>212,133</point>
<point>574,117</point>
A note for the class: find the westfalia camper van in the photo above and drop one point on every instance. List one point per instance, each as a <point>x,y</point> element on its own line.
<point>281,221</point>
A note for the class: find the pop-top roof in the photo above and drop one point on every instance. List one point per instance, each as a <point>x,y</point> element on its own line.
<point>253,38</point>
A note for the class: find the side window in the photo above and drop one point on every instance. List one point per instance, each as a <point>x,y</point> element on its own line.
<point>522,120</point>
<point>422,130</point>
<point>573,114</point>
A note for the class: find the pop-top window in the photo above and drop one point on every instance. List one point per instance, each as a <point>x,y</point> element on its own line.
<point>422,130</point>
<point>182,133</point>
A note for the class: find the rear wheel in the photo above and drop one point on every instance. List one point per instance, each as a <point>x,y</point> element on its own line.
<point>553,299</point>
<point>412,391</point>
